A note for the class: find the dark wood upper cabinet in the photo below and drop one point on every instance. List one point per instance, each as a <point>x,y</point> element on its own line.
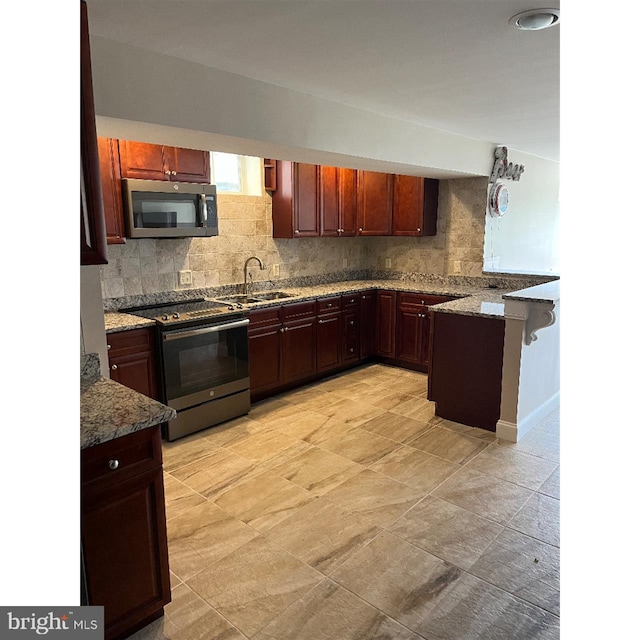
<point>415,206</point>
<point>295,204</point>
<point>146,161</point>
<point>111,190</point>
<point>270,181</point>
<point>375,203</point>
<point>329,201</point>
<point>93,239</point>
<point>338,201</point>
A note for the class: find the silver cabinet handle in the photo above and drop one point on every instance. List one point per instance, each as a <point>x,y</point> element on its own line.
<point>114,464</point>
<point>114,366</point>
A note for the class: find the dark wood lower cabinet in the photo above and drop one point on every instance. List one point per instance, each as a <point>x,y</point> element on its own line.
<point>132,360</point>
<point>123,531</point>
<point>385,324</point>
<point>465,379</point>
<point>367,324</point>
<point>329,341</point>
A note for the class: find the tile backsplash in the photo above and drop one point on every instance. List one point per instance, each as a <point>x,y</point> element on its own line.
<point>144,266</point>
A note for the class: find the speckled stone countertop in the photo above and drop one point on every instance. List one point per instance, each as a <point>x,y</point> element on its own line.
<point>547,292</point>
<point>473,298</point>
<point>109,410</point>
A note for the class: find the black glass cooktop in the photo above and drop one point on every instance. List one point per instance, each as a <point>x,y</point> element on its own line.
<point>179,311</point>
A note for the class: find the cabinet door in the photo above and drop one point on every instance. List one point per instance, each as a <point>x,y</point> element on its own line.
<point>132,360</point>
<point>408,206</point>
<point>264,359</point>
<point>144,161</point>
<point>190,165</point>
<point>409,334</point>
<point>375,200</point>
<point>367,324</point>
<point>329,342</point>
<point>348,201</point>
<point>298,350</point>
<point>329,202</point>
<point>93,239</point>
<point>305,198</point>
<point>385,323</point>
<point>111,190</point>
<point>415,206</point>
<point>124,545</point>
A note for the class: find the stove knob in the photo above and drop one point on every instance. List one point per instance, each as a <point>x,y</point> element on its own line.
<point>176,315</point>
<point>165,317</point>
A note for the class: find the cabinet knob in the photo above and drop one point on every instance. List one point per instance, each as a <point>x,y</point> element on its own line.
<point>419,229</point>
<point>351,323</point>
<point>351,350</point>
<point>421,301</point>
<point>114,464</point>
<point>108,346</point>
<point>297,231</point>
<point>173,173</point>
<point>360,229</point>
<point>167,173</point>
<point>114,366</point>
<point>329,304</point>
<point>282,330</point>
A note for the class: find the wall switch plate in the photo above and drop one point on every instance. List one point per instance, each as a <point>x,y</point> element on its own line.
<point>185,277</point>
<point>387,263</point>
<point>345,263</point>
<point>275,270</point>
<point>457,266</point>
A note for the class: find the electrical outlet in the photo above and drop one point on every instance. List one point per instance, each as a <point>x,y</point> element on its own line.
<point>387,263</point>
<point>275,270</point>
<point>185,277</point>
<point>345,263</point>
<point>457,266</point>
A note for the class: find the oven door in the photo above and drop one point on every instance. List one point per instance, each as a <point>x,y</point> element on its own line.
<point>205,362</point>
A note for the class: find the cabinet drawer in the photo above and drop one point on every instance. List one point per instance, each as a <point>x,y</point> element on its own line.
<point>351,322</point>
<point>263,318</point>
<point>328,305</point>
<point>351,349</point>
<point>350,301</point>
<point>135,341</point>
<point>132,454</point>
<point>298,310</point>
<point>421,299</point>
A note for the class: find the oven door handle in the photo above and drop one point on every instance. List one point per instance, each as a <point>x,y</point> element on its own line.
<point>179,335</point>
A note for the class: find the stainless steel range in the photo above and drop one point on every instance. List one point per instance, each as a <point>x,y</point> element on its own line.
<point>203,362</point>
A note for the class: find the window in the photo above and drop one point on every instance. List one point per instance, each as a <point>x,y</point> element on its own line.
<point>233,173</point>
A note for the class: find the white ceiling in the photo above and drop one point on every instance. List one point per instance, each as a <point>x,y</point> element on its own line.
<point>456,65</point>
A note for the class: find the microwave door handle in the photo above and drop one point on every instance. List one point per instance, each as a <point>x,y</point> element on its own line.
<point>203,210</point>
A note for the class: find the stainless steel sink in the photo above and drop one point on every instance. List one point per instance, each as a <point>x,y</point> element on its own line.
<point>272,295</point>
<point>238,299</point>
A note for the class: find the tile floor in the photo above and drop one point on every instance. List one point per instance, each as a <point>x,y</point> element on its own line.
<point>346,511</point>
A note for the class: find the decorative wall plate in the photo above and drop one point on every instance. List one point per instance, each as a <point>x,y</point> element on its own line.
<point>498,200</point>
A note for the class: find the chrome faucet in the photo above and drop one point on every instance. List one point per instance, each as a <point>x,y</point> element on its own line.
<point>245,289</point>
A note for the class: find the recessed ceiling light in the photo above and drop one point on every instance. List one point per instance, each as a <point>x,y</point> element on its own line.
<point>536,19</point>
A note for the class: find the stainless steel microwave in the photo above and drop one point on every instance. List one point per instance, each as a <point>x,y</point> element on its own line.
<point>157,209</point>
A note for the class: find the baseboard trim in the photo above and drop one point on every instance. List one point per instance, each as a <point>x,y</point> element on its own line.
<point>514,432</point>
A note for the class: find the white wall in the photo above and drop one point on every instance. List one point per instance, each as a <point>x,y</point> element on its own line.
<point>526,239</point>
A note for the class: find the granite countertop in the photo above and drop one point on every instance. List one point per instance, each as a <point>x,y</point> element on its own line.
<point>477,301</point>
<point>109,410</point>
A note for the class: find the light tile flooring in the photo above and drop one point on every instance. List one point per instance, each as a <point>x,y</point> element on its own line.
<point>346,511</point>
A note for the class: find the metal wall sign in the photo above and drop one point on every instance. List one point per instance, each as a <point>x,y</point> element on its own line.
<point>503,169</point>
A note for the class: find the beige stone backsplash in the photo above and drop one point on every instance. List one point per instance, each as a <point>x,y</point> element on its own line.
<point>152,265</point>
